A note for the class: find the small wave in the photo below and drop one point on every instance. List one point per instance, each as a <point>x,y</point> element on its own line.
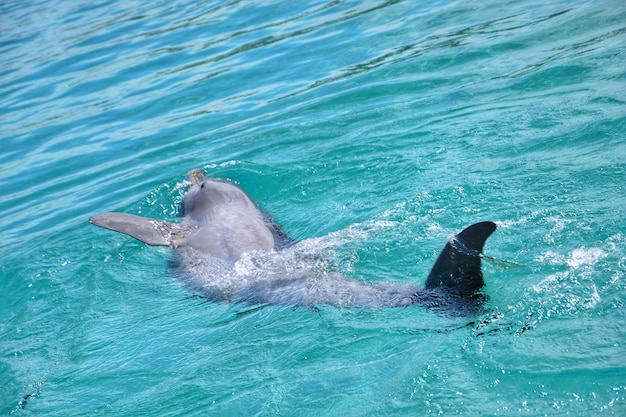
<point>583,282</point>
<point>583,256</point>
<point>576,259</point>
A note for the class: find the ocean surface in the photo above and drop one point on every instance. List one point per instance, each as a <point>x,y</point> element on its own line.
<point>376,129</point>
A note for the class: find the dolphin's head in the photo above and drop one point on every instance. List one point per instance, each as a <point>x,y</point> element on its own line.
<point>209,197</point>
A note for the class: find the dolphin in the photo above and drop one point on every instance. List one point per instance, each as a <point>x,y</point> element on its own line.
<point>230,250</point>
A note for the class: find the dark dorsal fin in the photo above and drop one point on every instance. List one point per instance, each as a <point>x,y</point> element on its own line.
<point>457,268</point>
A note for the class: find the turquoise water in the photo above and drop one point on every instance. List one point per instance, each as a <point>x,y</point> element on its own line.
<point>377,128</point>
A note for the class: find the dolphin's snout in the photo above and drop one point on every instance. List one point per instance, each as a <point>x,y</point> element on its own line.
<point>196,176</point>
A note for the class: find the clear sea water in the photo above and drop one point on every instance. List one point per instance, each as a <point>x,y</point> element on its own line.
<point>378,128</point>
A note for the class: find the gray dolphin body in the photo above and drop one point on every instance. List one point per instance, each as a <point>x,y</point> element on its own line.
<point>226,247</point>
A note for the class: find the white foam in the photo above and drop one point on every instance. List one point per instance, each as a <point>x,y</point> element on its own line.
<point>577,258</point>
<point>584,256</point>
